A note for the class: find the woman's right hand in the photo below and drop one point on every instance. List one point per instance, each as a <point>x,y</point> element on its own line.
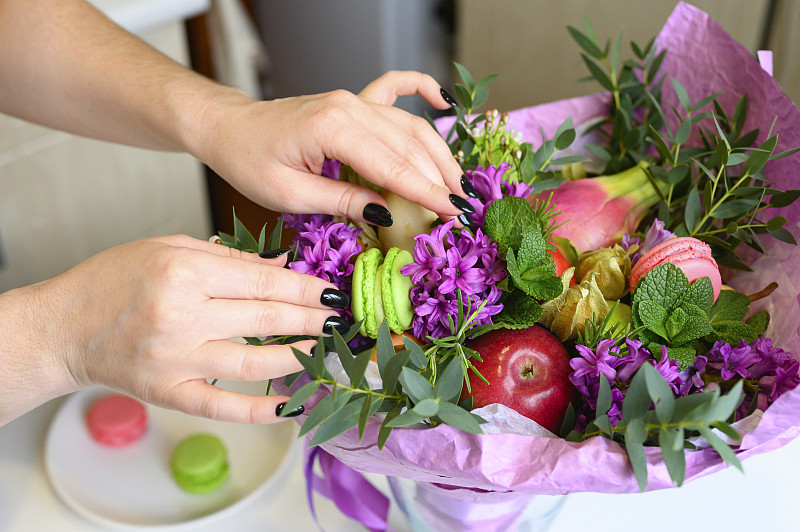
<point>153,318</point>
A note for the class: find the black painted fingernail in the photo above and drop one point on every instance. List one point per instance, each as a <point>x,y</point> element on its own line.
<point>467,187</point>
<point>462,204</point>
<point>335,322</point>
<point>466,220</point>
<point>448,98</point>
<point>334,298</point>
<point>296,412</point>
<point>378,215</point>
<point>273,253</point>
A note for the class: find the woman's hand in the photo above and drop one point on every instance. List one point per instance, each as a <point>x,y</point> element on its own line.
<point>153,318</point>
<point>273,151</point>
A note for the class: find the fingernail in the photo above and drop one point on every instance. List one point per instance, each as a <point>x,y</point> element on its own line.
<point>378,215</point>
<point>335,322</point>
<point>273,253</point>
<point>467,187</point>
<point>448,98</point>
<point>466,220</point>
<point>462,204</point>
<point>296,412</point>
<point>334,298</point>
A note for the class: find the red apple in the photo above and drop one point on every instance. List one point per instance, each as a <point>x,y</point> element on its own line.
<point>528,370</point>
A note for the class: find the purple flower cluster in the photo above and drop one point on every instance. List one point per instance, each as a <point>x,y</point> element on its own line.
<point>489,184</point>
<point>655,235</point>
<point>772,371</point>
<point>445,263</point>
<point>328,251</point>
<point>608,362</point>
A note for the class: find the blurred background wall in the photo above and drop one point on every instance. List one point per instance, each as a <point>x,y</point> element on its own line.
<point>63,198</point>
<point>319,45</point>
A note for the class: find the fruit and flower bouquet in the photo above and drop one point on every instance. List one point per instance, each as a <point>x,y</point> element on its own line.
<point>618,304</point>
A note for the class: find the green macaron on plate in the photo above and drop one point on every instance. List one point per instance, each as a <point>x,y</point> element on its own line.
<point>185,471</point>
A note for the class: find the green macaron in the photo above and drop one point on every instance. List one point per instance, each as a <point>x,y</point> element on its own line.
<point>381,292</point>
<point>363,294</point>
<point>200,464</point>
<point>396,290</point>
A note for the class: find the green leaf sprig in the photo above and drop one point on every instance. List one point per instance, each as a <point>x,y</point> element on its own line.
<point>482,139</point>
<point>668,424</point>
<point>714,176</point>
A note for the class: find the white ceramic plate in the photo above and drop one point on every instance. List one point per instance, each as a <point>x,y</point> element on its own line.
<point>131,488</point>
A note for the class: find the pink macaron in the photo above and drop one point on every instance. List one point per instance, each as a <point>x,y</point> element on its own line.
<point>689,254</point>
<point>117,420</point>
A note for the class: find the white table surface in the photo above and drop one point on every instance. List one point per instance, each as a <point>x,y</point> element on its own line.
<point>761,499</point>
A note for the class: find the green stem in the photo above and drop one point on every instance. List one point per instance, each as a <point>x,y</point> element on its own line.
<point>376,393</point>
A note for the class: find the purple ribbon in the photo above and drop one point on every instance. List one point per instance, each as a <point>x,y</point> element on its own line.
<point>348,489</point>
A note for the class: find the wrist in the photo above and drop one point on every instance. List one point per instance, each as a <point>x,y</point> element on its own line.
<point>203,114</point>
<point>33,350</point>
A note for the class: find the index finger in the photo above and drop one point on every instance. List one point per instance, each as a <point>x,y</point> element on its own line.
<point>387,88</point>
<point>228,278</point>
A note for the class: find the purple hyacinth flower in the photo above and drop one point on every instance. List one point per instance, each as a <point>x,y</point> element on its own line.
<point>630,363</point>
<point>590,365</point>
<point>328,252</point>
<point>669,369</point>
<point>786,378</point>
<point>693,376</point>
<point>655,235</point>
<point>491,186</point>
<point>446,264</point>
<point>731,361</point>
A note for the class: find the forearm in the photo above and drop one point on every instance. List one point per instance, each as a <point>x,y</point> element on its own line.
<point>65,65</point>
<point>30,352</point>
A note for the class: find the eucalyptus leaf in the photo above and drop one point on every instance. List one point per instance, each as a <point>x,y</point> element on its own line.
<point>340,422</point>
<point>459,418</point>
<point>635,436</point>
<point>301,396</point>
<point>415,385</point>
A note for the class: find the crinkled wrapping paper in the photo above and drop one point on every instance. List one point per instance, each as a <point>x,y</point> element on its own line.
<point>705,59</point>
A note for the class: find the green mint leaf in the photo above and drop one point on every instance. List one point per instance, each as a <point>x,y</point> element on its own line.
<point>695,324</point>
<point>520,311</point>
<point>699,293</point>
<point>665,284</point>
<point>654,317</point>
<point>759,322</point>
<point>506,221</point>
<point>730,305</point>
<point>532,269</point>
<point>732,332</point>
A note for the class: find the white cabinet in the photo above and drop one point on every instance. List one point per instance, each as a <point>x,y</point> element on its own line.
<point>64,198</point>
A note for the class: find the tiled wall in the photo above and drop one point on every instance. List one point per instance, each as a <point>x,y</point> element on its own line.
<point>64,198</point>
